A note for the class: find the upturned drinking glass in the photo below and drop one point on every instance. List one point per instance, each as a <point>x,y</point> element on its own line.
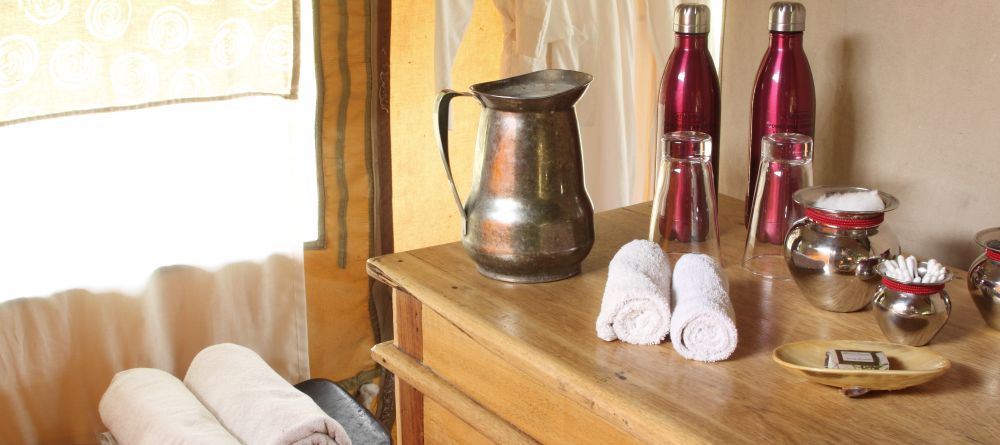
<point>786,167</point>
<point>684,218</point>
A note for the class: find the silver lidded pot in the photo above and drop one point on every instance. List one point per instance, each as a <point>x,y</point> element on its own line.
<point>832,254</point>
<point>984,277</point>
<point>911,313</point>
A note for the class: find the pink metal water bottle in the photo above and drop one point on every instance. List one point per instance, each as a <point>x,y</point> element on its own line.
<point>784,98</point>
<point>689,89</point>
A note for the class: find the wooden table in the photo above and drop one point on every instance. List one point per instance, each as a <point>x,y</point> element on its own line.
<point>480,361</point>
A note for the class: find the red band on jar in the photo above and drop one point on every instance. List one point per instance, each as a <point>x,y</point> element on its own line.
<point>912,288</point>
<point>993,254</point>
<point>828,219</point>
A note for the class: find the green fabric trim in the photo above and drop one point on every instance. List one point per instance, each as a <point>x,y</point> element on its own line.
<point>345,97</point>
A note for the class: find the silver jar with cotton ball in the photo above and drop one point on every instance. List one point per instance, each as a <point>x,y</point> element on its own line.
<point>984,277</point>
<point>911,305</point>
<point>832,253</point>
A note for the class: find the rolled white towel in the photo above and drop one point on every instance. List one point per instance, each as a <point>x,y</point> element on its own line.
<point>255,403</point>
<point>636,304</point>
<point>702,326</point>
<point>150,406</point>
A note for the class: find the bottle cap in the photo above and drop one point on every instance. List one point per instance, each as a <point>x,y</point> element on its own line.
<point>690,18</point>
<point>787,17</point>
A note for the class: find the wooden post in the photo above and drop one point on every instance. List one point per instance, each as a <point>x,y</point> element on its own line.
<point>408,333</point>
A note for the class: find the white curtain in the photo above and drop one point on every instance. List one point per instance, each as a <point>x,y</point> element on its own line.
<point>624,44</point>
<point>136,238</point>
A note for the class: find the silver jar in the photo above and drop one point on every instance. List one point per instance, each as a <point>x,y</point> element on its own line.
<point>911,313</point>
<point>832,254</point>
<point>984,277</point>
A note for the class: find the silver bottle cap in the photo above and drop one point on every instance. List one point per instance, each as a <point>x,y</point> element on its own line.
<point>690,18</point>
<point>787,17</point>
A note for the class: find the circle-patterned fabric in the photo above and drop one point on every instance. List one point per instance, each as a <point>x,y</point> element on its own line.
<point>62,56</point>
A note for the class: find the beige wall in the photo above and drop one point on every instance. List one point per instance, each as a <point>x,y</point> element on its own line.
<point>908,96</point>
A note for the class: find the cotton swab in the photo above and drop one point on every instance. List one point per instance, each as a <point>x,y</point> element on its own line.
<point>907,269</point>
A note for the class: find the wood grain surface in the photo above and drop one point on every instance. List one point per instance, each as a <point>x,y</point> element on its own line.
<point>427,382</point>
<point>523,401</point>
<point>447,429</point>
<point>547,332</point>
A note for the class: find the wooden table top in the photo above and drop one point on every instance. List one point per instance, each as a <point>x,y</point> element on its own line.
<point>548,331</point>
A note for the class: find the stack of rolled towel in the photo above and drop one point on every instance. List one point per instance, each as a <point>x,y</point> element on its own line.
<point>149,406</point>
<point>644,302</point>
<point>229,396</point>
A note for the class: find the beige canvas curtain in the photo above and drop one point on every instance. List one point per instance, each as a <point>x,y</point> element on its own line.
<point>64,56</point>
<point>337,286</point>
<point>58,353</point>
<point>623,43</point>
<point>137,237</point>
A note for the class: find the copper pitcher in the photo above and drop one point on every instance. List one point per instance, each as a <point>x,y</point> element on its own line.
<point>528,218</point>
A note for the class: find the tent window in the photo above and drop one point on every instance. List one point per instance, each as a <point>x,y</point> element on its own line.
<point>100,200</point>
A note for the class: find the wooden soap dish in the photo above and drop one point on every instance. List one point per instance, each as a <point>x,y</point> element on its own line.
<point>908,366</point>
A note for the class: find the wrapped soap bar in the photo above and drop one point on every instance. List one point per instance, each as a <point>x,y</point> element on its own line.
<point>846,359</point>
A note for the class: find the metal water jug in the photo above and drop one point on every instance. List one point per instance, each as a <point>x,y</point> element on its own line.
<point>528,218</point>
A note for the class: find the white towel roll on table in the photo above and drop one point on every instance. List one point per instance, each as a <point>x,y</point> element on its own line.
<point>702,326</point>
<point>636,304</point>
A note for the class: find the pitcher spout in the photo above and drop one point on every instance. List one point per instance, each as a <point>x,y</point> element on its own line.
<point>540,91</point>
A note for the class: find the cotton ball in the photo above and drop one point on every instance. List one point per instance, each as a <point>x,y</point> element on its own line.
<point>852,202</point>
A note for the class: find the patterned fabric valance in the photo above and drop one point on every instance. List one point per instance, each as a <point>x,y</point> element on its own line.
<point>68,56</point>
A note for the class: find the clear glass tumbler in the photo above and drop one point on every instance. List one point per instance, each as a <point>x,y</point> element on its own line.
<point>786,167</point>
<point>684,218</point>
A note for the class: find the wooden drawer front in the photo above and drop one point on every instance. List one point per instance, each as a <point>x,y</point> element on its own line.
<point>519,399</point>
<point>428,387</point>
<point>441,427</point>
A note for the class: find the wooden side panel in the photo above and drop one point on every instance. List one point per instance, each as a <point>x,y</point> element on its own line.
<point>532,407</point>
<point>442,427</point>
<point>408,333</point>
<point>380,12</point>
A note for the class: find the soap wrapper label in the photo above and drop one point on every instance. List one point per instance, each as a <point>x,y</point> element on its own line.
<point>846,359</point>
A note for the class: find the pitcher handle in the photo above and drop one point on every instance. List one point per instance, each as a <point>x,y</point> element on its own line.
<point>658,203</point>
<point>441,117</point>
